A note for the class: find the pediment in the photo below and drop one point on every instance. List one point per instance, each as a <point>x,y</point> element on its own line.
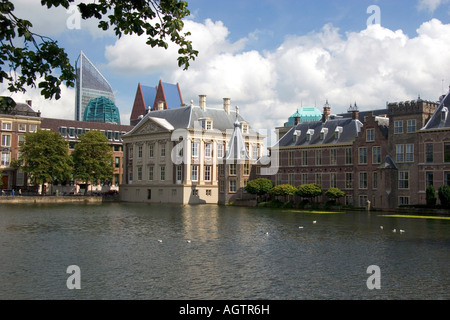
<point>150,127</point>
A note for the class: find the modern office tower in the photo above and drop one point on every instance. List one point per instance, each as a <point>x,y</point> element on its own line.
<point>90,84</point>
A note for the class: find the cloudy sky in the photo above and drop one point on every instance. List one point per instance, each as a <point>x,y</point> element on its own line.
<point>270,56</point>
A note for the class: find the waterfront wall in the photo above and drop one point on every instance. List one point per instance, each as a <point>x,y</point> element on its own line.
<point>50,199</point>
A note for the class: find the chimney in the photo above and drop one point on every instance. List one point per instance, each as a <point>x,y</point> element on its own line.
<point>202,102</point>
<point>326,112</point>
<point>226,105</point>
<point>160,105</point>
<point>29,102</point>
<point>354,111</point>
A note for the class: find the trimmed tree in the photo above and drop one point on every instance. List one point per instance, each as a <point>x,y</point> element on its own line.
<point>92,158</point>
<point>260,187</point>
<point>430,195</point>
<point>283,190</point>
<point>45,157</point>
<point>444,195</point>
<point>309,191</point>
<point>334,194</point>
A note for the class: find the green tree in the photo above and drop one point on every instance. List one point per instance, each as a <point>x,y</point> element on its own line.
<point>260,186</point>
<point>309,191</point>
<point>45,157</point>
<point>444,195</point>
<point>334,193</point>
<point>430,196</point>
<point>92,158</point>
<point>283,190</point>
<point>25,56</point>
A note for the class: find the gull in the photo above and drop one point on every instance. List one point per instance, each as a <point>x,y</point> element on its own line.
<point>395,230</point>
<point>401,231</point>
<point>314,222</point>
<point>300,227</point>
<point>159,240</point>
<point>381,227</point>
<point>188,241</point>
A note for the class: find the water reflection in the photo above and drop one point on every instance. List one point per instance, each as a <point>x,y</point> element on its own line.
<point>232,253</point>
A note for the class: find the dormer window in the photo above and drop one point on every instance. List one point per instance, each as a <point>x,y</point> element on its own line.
<point>444,114</point>
<point>244,127</point>
<point>296,135</point>
<point>338,132</point>
<point>323,133</point>
<point>207,124</point>
<point>309,134</point>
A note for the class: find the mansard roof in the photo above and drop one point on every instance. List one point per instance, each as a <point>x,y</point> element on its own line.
<point>441,117</point>
<point>341,130</point>
<point>189,118</point>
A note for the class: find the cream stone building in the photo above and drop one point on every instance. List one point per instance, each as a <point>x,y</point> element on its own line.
<point>175,155</point>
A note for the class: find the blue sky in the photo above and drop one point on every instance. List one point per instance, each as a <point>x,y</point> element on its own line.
<point>271,56</point>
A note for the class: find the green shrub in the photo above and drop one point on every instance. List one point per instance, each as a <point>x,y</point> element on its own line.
<point>444,195</point>
<point>431,197</point>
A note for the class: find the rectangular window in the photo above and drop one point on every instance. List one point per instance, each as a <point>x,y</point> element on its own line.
<point>221,168</point>
<point>6,159</point>
<point>207,173</point>
<point>232,169</point>
<point>6,126</point>
<point>6,140</point>
<point>400,153</point>
<point>376,155</point>
<point>429,153</point>
<point>291,179</point>
<point>319,179</point>
<point>233,187</point>
<point>150,173</point>
<point>163,173</point>
<point>370,135</point>
<point>447,178</point>
<point>291,158</point>
<point>333,156</point>
<point>208,192</point>
<point>117,162</point>
<point>398,127</point>
<point>179,173</point>
<point>221,186</point>
<point>403,201</point>
<point>139,173</point>
<point>208,150</point>
<point>22,127</point>
<point>362,155</point>
<point>363,201</point>
<point>220,150</point>
<point>446,151</point>
<point>246,169</point>
<point>32,128</point>
<point>333,180</point>
<point>194,173</point>
<point>195,149</point>
<point>349,180</point>
<point>304,158</point>
<point>318,157</point>
<point>151,150</point>
<point>255,152</point>
<point>429,177</point>
<point>348,156</point>
<point>162,149</point>
<point>139,152</point>
<point>409,153</point>
<point>71,132</point>
<point>411,126</point>
<point>363,184</point>
<point>403,180</point>
<point>130,152</point>
<point>149,194</point>
<point>304,178</point>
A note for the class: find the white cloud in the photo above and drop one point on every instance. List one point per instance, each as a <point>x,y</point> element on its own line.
<point>430,5</point>
<point>369,67</point>
<point>64,108</point>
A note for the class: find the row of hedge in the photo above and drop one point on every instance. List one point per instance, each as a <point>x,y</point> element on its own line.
<point>443,194</point>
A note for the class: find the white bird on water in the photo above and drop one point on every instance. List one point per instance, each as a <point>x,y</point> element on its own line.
<point>314,222</point>
<point>395,230</point>
<point>188,241</point>
<point>401,231</point>
<point>381,227</point>
<point>300,227</point>
<point>159,240</point>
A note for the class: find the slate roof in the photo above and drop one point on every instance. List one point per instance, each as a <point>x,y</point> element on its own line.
<point>149,94</point>
<point>186,117</point>
<point>22,109</point>
<point>347,130</point>
<point>437,121</point>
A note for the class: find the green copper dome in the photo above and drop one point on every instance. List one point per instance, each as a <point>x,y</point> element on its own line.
<point>306,114</point>
<point>101,109</point>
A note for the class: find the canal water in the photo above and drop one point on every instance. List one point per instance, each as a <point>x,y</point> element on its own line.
<point>141,251</point>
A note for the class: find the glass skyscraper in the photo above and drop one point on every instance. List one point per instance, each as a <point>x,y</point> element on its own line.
<point>90,84</point>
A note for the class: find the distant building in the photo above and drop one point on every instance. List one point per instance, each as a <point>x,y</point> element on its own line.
<point>13,127</point>
<point>176,155</point>
<point>162,97</point>
<point>101,109</point>
<point>90,84</point>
